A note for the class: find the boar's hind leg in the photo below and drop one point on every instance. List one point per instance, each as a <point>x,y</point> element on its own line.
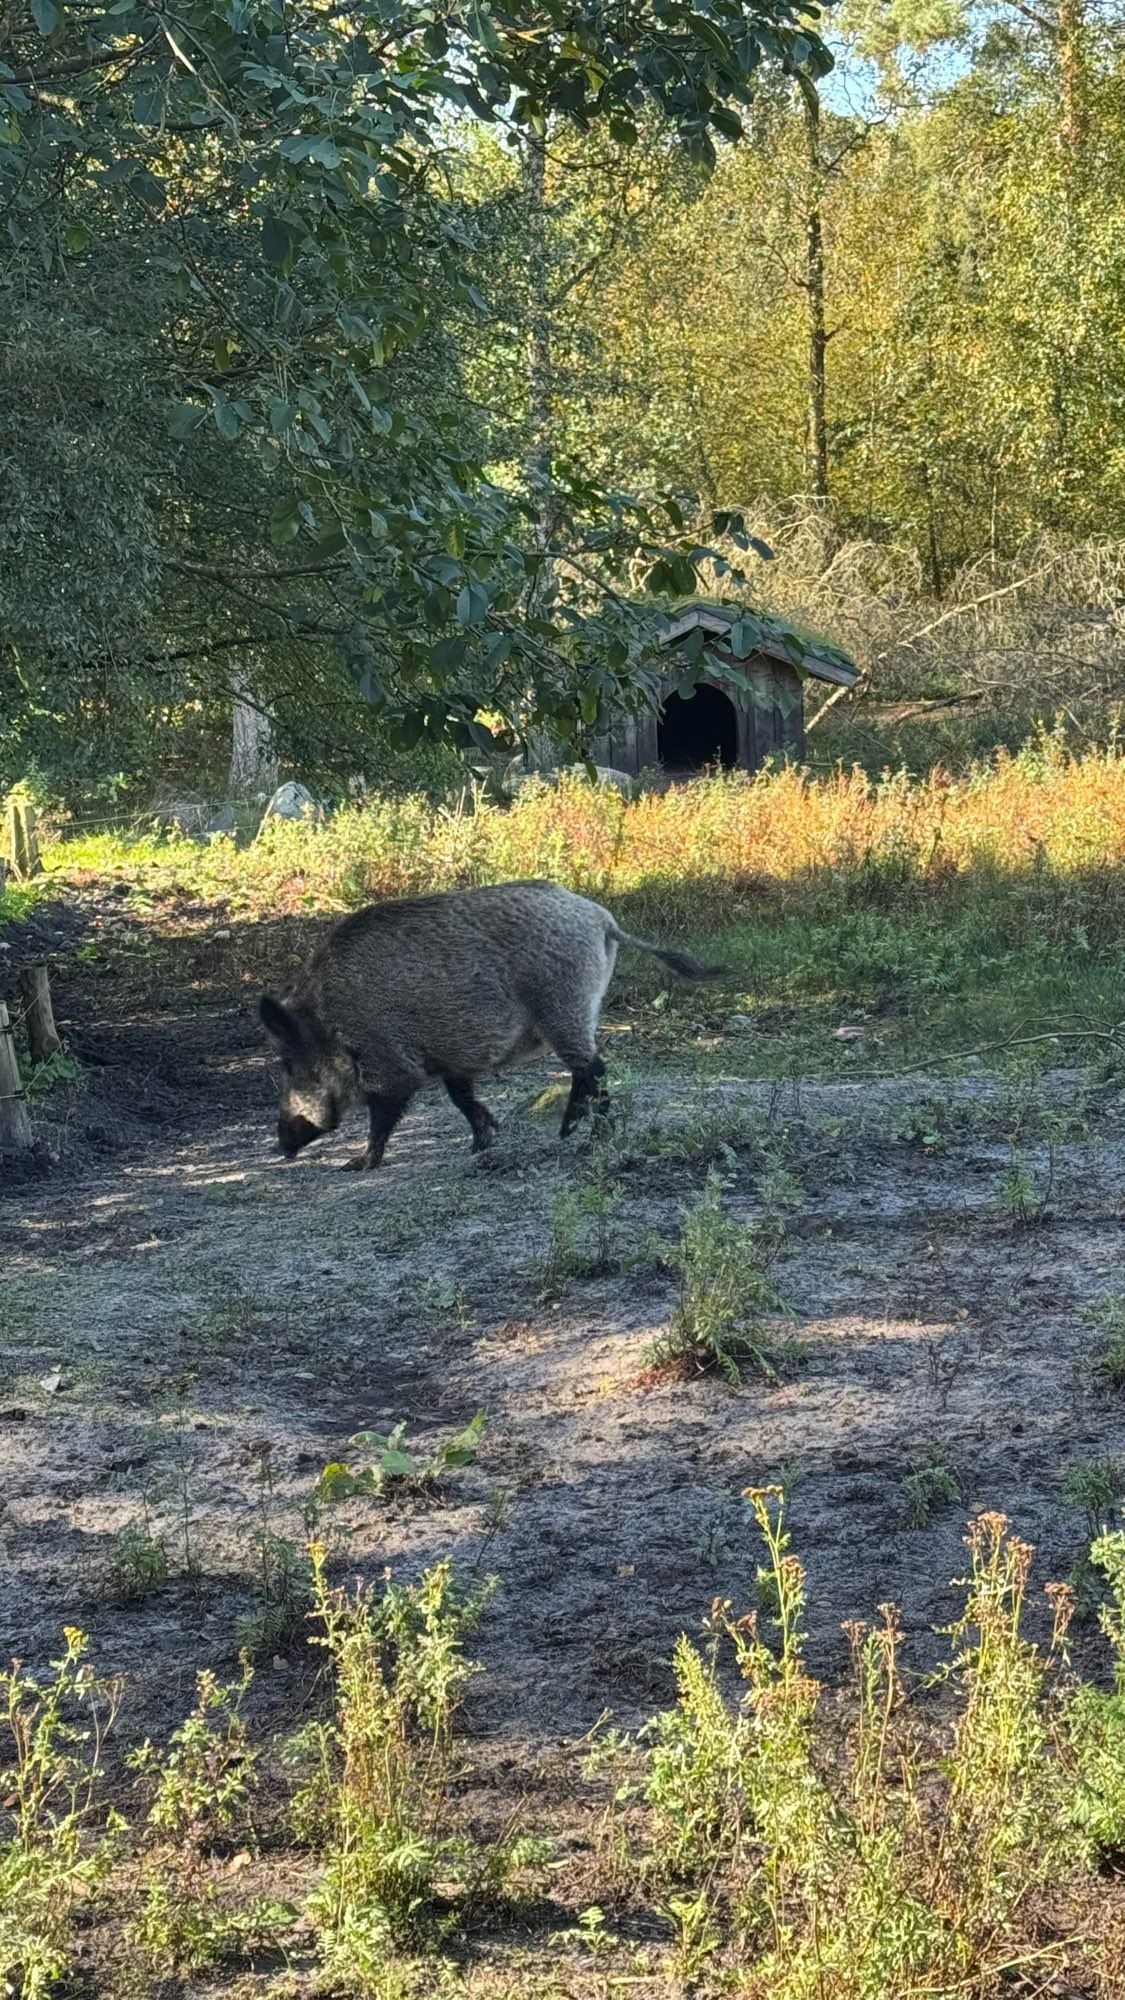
<point>463,1095</point>
<point>587,1087</point>
<point>384,1113</point>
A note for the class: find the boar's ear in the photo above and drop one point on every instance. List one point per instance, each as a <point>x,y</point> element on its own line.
<point>278,1022</point>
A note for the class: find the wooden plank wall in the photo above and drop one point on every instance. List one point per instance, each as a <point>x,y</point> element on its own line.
<point>629,743</point>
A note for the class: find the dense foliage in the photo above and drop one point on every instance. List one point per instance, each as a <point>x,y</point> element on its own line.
<point>950,204</point>
<point>371,368</point>
<point>235,288</point>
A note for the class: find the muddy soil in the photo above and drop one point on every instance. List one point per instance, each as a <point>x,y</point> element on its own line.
<point>180,1308</point>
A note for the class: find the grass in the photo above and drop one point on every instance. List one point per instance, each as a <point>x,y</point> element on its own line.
<point>18,899</point>
<point>934,914</point>
<point>771,1841</point>
<point>1111,1355</point>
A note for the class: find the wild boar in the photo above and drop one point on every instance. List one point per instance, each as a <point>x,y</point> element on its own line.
<point>447,987</point>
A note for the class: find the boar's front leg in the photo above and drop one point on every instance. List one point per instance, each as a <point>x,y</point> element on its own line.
<point>384,1112</point>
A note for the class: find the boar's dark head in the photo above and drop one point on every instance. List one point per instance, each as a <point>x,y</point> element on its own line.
<point>318,1078</point>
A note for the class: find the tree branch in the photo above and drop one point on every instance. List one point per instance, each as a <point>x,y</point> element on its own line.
<point>79,64</point>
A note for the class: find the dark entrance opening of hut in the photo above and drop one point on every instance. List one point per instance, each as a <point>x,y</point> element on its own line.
<point>697,730</point>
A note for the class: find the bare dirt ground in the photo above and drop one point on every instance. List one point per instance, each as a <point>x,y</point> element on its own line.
<point>175,1298</point>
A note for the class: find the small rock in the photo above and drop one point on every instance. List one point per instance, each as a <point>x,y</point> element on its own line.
<point>850,1031</point>
<point>51,1383</point>
<point>220,937</point>
<point>737,1024</point>
<point>291,801</point>
<point>280,1666</point>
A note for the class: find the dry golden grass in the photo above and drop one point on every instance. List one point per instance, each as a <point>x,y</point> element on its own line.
<point>1042,810</point>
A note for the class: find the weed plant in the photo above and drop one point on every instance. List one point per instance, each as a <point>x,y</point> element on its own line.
<point>868,1848</point>
<point>200,1786</point>
<point>280,1571</point>
<point>587,1238</point>
<point>55,1845</point>
<point>375,1780</point>
<point>892,1865</point>
<point>392,1469</point>
<point>728,1302</point>
<point>930,1487</point>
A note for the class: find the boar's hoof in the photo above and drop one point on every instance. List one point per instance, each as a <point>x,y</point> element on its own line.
<point>359,1163</point>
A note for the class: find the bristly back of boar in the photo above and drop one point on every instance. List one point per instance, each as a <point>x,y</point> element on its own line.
<point>448,987</point>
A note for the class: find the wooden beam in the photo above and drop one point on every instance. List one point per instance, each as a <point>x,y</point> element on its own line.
<point>43,1038</point>
<point>21,835</point>
<point>15,1125</point>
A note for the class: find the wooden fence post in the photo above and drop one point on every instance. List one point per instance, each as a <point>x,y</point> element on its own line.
<point>22,839</point>
<point>15,1125</point>
<point>43,1038</point>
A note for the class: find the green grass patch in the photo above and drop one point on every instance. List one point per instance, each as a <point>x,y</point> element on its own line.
<point>18,899</point>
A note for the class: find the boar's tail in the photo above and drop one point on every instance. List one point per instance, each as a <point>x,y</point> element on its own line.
<point>680,963</point>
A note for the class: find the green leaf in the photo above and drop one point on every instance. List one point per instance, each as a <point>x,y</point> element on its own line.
<point>447,653</point>
<point>455,538</point>
<point>76,236</point>
<point>399,1465</point>
<point>47,15</point>
<point>279,242</point>
<point>745,638</point>
<point>186,418</point>
<point>285,522</point>
<point>472,603</point>
<point>227,421</point>
<point>300,147</point>
<point>331,543</point>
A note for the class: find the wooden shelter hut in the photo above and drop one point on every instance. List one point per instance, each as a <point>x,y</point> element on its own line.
<point>746,703</point>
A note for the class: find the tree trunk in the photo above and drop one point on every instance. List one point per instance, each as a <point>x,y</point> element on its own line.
<point>537,465</point>
<point>253,762</point>
<point>937,581</point>
<point>15,1125</point>
<point>814,295</point>
<point>1074,109</point>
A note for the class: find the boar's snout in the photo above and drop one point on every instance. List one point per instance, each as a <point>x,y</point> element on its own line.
<point>293,1133</point>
